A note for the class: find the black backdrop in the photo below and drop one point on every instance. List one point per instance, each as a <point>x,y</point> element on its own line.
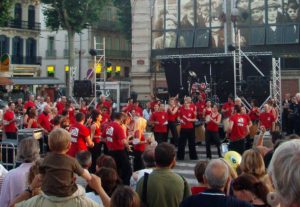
<point>254,86</point>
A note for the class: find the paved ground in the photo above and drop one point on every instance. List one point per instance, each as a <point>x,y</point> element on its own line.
<point>186,167</point>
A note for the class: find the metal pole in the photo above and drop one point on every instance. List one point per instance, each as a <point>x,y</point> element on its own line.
<point>225,29</point>
<point>104,60</point>
<point>79,54</point>
<point>95,74</point>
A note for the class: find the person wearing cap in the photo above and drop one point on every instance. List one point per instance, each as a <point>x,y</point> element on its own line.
<point>274,31</point>
<point>257,12</point>
<point>187,21</point>
<point>293,16</point>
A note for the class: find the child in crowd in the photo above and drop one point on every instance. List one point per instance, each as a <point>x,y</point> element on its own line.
<point>85,160</point>
<point>199,172</point>
<point>58,168</point>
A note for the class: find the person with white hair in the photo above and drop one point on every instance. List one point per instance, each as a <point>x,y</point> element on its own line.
<point>216,177</point>
<point>284,171</point>
<point>15,180</point>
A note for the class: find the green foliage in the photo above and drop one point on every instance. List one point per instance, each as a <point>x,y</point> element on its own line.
<point>124,16</point>
<point>72,15</point>
<point>5,14</point>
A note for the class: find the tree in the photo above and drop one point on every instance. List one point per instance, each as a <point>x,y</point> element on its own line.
<point>5,11</point>
<point>124,16</point>
<point>72,16</point>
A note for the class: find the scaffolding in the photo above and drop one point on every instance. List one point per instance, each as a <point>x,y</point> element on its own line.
<point>99,58</point>
<point>276,85</point>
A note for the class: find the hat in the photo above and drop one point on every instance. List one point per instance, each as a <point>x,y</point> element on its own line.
<point>188,5</point>
<point>202,3</point>
<point>257,5</point>
<point>273,3</point>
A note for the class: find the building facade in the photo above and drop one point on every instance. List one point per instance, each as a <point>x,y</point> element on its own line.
<point>208,27</point>
<point>54,49</point>
<point>20,39</point>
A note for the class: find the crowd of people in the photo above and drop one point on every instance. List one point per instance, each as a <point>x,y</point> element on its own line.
<point>95,156</point>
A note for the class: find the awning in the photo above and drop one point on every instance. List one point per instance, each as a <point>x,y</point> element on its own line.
<point>36,81</point>
<point>5,81</point>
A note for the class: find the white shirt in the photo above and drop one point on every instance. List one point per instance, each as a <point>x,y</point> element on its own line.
<point>138,175</point>
<point>147,114</point>
<point>15,182</point>
<point>94,197</point>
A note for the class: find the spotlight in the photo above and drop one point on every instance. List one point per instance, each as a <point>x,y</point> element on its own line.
<point>231,48</point>
<point>93,52</point>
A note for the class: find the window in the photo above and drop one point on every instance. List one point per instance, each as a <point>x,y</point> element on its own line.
<point>30,51</point>
<point>18,15</point>
<point>51,47</point>
<point>31,17</point>
<point>51,70</point>
<point>4,45</point>
<point>17,57</point>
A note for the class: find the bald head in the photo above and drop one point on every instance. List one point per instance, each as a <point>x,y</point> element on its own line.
<point>216,174</point>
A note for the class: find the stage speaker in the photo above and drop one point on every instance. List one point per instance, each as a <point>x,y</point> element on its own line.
<point>82,88</point>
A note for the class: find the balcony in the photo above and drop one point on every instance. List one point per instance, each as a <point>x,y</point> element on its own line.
<point>50,53</point>
<point>119,54</point>
<point>24,25</point>
<point>26,60</point>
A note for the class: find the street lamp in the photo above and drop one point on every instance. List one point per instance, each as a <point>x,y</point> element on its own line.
<point>234,17</point>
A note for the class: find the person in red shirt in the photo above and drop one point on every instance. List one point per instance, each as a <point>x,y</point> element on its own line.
<point>227,110</point>
<point>96,136</point>
<point>159,119</point>
<point>32,119</point>
<point>9,122</point>
<point>172,120</point>
<point>207,110</point>
<point>238,129</point>
<point>44,120</point>
<point>117,145</point>
<point>29,103</point>
<point>212,131</point>
<point>60,105</point>
<point>137,108</point>
<point>83,107</point>
<point>267,119</point>
<point>80,136</point>
<point>187,117</point>
<point>139,142</point>
<point>153,102</point>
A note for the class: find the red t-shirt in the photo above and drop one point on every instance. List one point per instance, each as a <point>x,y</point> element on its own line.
<point>212,126</point>
<point>72,115</point>
<point>60,107</point>
<point>193,107</point>
<point>188,113</point>
<point>78,133</point>
<point>266,120</point>
<point>161,117</point>
<point>139,147</point>
<point>239,127</point>
<point>114,135</point>
<point>97,135</point>
<point>229,107</point>
<point>198,189</point>
<point>172,117</point>
<point>33,124</point>
<point>29,104</point>
<point>44,121</point>
<point>207,112</point>
<point>83,110</point>
<point>105,118</point>
<point>138,110</point>
<point>8,116</point>
<point>107,104</point>
<point>254,114</point>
